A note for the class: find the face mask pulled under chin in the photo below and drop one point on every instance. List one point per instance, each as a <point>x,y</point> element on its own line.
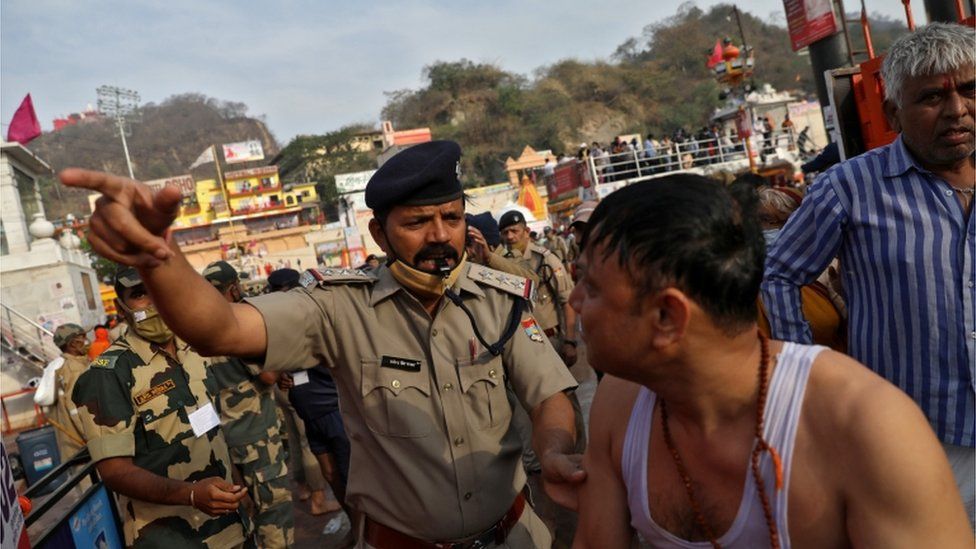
<point>148,324</point>
<point>424,284</point>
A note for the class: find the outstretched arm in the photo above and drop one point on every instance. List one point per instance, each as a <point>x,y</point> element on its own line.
<point>130,226</point>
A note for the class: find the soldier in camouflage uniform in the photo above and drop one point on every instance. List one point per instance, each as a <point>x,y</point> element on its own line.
<point>250,424</point>
<point>151,428</point>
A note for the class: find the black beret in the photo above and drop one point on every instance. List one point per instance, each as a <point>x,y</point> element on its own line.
<point>283,279</point>
<point>421,175</point>
<point>485,223</point>
<point>510,218</point>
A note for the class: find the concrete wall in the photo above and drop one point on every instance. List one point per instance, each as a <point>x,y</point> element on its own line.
<point>52,294</point>
<point>14,224</point>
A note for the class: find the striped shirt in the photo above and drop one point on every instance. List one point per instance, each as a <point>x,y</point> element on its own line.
<point>906,250</point>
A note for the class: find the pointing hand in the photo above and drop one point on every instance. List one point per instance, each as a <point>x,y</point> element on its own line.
<point>130,222</point>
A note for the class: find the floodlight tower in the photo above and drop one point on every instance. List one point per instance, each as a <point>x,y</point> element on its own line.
<point>119,103</point>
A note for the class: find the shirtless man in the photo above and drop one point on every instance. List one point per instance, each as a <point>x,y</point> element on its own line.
<point>671,272</point>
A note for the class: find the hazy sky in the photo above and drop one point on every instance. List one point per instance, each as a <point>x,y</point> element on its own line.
<point>308,66</point>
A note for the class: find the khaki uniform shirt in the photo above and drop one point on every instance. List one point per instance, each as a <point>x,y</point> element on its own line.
<point>65,412</point>
<point>434,453</point>
<point>134,400</point>
<point>554,283</point>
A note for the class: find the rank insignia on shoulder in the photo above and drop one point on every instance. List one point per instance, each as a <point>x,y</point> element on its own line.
<point>325,277</point>
<point>509,283</point>
<point>532,330</point>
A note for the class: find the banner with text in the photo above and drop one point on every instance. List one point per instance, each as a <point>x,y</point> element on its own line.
<point>352,182</point>
<point>809,21</point>
<point>185,183</point>
<point>243,151</point>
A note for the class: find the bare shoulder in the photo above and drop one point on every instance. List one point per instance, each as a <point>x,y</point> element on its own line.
<point>851,412</point>
<point>847,396</point>
<point>610,412</point>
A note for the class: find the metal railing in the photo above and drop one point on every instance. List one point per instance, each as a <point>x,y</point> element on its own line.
<point>20,394</point>
<point>684,155</point>
<point>27,338</point>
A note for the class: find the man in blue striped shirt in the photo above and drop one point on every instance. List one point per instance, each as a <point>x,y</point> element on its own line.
<point>900,219</point>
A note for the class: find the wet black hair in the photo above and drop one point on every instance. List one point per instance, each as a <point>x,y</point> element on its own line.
<point>688,232</point>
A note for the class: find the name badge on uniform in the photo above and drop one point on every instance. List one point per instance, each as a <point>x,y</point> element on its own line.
<point>405,364</point>
<point>299,378</point>
<point>204,419</point>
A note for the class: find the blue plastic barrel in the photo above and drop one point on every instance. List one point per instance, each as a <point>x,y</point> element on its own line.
<point>39,455</point>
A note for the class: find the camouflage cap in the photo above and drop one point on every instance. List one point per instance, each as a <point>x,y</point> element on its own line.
<point>220,274</point>
<point>65,332</point>
<point>126,277</point>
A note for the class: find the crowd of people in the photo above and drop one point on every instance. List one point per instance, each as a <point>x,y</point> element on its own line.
<point>780,368</point>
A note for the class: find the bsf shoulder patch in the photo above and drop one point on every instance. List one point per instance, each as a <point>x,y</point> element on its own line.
<point>532,330</point>
<point>105,360</point>
<point>326,277</point>
<point>509,283</point>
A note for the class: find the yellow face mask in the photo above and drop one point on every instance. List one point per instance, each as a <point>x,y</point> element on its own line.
<point>148,324</point>
<point>423,284</point>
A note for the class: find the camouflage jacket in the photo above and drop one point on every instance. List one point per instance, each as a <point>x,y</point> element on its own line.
<point>134,401</point>
<point>246,405</point>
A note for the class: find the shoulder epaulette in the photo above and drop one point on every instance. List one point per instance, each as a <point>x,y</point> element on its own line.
<point>325,277</point>
<point>508,283</point>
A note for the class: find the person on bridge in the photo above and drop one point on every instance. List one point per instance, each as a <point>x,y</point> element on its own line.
<point>703,430</point>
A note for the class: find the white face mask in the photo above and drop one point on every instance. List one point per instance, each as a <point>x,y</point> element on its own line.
<point>770,235</point>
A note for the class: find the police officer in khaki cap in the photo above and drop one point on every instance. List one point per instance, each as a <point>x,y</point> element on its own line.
<point>421,348</point>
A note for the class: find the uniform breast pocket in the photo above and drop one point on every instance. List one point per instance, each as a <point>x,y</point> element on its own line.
<point>162,428</point>
<point>396,402</point>
<point>483,384</point>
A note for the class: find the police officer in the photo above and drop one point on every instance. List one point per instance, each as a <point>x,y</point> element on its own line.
<point>71,339</point>
<point>551,307</point>
<point>421,349</point>
<point>249,420</point>
<point>152,429</point>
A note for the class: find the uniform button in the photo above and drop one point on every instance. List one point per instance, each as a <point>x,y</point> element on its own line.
<point>448,386</point>
<point>973,335</point>
<point>395,383</point>
<point>491,373</point>
<point>971,283</point>
<point>458,441</point>
<point>467,496</point>
<point>948,193</point>
<point>434,332</point>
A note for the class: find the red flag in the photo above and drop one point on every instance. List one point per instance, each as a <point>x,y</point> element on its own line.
<point>716,57</point>
<point>24,125</point>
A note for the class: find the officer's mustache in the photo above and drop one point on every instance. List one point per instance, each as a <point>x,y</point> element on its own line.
<point>434,252</point>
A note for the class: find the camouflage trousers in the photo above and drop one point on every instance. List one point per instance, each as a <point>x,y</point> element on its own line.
<point>265,472</point>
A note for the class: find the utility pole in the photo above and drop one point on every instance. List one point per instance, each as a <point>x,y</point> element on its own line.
<point>738,21</point>
<point>119,103</point>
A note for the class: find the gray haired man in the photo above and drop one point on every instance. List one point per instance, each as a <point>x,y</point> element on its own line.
<point>900,218</point>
